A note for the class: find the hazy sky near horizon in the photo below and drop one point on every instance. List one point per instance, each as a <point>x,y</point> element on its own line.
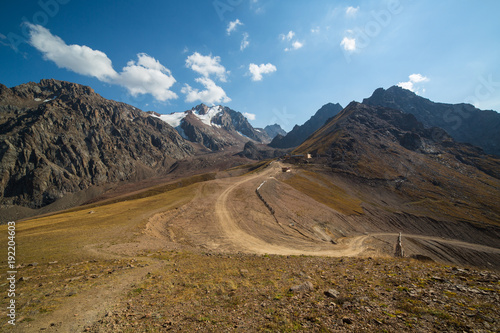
<point>275,61</point>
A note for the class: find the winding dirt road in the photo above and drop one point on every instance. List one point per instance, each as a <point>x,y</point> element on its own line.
<point>349,246</point>
<point>229,227</point>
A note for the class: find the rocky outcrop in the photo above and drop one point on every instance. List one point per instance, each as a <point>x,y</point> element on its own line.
<point>58,137</point>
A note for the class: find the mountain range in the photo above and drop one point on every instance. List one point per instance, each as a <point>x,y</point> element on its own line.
<point>59,138</point>
<point>464,122</point>
<point>391,149</point>
<point>215,128</point>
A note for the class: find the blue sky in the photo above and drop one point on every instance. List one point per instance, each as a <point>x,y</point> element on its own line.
<point>276,61</point>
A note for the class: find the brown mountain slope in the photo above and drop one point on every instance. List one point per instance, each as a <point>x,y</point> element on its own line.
<point>392,150</point>
<point>59,137</point>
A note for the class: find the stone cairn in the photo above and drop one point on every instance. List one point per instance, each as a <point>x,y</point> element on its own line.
<point>399,248</point>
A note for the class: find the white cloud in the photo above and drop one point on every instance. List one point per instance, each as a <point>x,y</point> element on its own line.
<point>349,44</point>
<point>80,59</point>
<point>232,26</point>
<point>316,30</point>
<point>144,76</point>
<point>249,116</point>
<point>295,46</point>
<point>2,36</point>
<point>147,76</point>
<point>257,70</point>
<point>206,65</point>
<point>245,42</point>
<point>211,95</point>
<point>351,11</point>
<point>413,79</point>
<point>289,36</point>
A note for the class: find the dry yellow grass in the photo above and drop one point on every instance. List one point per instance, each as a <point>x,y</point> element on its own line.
<point>65,235</point>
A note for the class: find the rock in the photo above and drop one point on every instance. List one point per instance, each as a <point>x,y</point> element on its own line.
<point>347,321</point>
<point>304,287</point>
<point>332,293</point>
<point>399,253</point>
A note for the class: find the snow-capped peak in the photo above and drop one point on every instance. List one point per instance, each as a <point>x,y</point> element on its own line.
<point>206,118</point>
<point>175,119</point>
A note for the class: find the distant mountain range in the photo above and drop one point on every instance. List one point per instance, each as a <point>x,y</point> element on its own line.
<point>301,132</point>
<point>463,122</point>
<point>58,137</point>
<point>215,128</point>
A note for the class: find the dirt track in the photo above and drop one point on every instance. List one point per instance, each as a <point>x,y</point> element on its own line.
<point>227,216</point>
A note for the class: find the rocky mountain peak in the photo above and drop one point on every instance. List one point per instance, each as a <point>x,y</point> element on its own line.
<point>464,122</point>
<point>201,109</point>
<point>300,133</point>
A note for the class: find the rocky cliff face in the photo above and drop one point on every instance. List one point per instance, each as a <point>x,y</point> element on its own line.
<point>463,122</point>
<point>59,137</point>
<point>300,133</point>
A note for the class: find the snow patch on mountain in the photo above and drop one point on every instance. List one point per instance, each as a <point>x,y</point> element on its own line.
<point>173,119</point>
<point>207,117</point>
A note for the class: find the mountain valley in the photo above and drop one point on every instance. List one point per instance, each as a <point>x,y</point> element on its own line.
<point>196,210</point>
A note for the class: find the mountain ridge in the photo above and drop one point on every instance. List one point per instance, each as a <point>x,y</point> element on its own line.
<point>215,127</point>
<point>59,137</point>
<point>301,132</point>
<point>392,148</point>
<point>464,122</point>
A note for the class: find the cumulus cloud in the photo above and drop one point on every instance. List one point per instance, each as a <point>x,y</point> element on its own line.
<point>144,76</point>
<point>232,26</point>
<point>257,70</point>
<point>245,42</point>
<point>206,65</point>
<point>411,83</point>
<point>211,95</point>
<point>80,59</point>
<point>351,11</point>
<point>249,116</point>
<point>349,44</point>
<point>147,76</point>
